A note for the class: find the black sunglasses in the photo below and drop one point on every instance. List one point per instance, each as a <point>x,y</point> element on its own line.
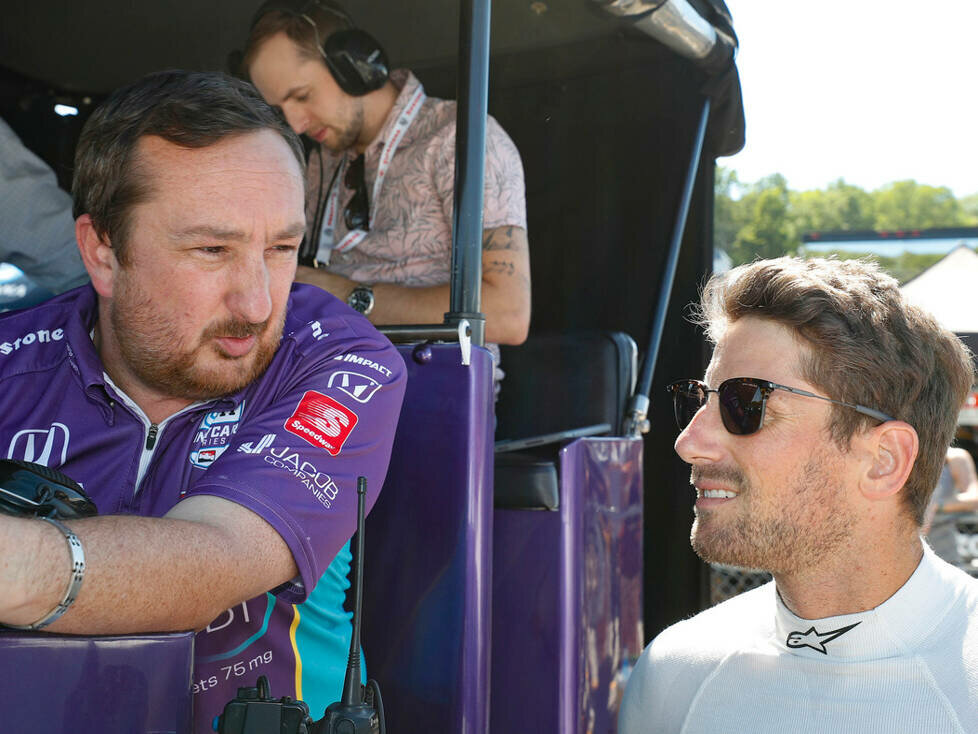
<point>742,402</point>
<point>357,212</point>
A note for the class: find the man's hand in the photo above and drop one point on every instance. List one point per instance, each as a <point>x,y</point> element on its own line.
<point>505,290</point>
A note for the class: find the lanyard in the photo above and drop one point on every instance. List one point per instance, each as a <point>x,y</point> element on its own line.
<point>327,236</point>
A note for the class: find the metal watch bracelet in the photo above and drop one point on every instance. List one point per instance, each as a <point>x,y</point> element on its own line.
<point>74,583</point>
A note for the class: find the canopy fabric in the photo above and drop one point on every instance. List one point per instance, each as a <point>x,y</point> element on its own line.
<point>947,288</point>
<point>726,131</point>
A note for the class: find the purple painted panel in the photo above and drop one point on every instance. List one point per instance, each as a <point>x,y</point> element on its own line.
<point>428,563</point>
<point>603,606</point>
<point>526,626</point>
<point>567,598</point>
<point>136,684</point>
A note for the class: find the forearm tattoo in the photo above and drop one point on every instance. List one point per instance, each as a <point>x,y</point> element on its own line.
<point>502,239</point>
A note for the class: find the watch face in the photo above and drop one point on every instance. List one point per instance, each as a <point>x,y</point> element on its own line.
<point>362,300</point>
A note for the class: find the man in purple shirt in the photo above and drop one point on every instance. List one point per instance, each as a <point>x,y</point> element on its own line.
<point>218,416</point>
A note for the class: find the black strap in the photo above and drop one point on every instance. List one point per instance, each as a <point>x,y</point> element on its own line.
<point>309,247</point>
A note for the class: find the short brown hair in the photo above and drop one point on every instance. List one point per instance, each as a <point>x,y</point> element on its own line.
<point>307,26</point>
<point>189,109</point>
<point>867,345</point>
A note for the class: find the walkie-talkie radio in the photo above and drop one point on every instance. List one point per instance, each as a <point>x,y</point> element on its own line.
<point>360,711</point>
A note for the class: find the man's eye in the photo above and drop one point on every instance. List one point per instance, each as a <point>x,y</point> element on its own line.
<point>287,249</point>
<point>302,97</point>
<point>212,249</point>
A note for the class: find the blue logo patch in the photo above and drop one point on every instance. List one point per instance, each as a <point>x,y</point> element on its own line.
<point>214,435</point>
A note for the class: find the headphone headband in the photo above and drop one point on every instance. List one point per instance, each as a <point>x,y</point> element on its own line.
<point>300,8</point>
<point>356,59</point>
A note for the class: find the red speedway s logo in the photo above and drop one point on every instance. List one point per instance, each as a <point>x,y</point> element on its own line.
<point>322,421</point>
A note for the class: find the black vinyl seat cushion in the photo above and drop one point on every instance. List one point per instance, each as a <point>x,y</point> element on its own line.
<point>525,480</point>
<point>556,382</point>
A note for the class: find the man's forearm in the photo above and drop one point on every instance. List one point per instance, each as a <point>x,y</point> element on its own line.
<point>961,503</point>
<point>142,574</point>
<point>399,304</point>
<point>393,304</point>
<point>505,290</point>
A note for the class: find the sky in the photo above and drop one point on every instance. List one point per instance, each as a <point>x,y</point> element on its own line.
<point>871,91</point>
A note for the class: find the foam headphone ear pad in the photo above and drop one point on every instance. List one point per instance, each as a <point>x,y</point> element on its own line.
<point>356,60</point>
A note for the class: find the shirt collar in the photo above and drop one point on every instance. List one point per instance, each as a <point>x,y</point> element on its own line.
<point>78,330</point>
<point>897,625</point>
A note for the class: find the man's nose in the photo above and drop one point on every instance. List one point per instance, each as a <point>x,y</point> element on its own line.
<point>250,297</point>
<point>701,439</point>
<point>298,120</point>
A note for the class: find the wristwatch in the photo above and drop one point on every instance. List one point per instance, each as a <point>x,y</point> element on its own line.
<point>362,299</point>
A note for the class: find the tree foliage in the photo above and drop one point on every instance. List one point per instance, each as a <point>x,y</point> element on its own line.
<point>969,205</point>
<point>766,219</point>
<point>768,228</point>
<point>910,205</point>
<point>839,206</point>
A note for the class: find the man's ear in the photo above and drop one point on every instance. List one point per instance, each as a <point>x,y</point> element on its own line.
<point>892,450</point>
<point>97,255</point>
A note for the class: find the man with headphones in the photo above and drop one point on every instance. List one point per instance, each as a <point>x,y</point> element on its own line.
<point>379,186</point>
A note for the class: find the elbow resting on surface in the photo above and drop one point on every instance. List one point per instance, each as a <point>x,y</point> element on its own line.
<point>510,328</point>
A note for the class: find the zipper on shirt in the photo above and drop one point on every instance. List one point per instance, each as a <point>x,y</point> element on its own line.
<point>154,429</point>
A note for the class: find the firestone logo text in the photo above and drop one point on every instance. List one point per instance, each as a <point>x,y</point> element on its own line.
<point>41,336</point>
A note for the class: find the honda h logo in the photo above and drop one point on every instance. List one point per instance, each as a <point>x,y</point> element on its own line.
<point>40,445</point>
<point>358,386</point>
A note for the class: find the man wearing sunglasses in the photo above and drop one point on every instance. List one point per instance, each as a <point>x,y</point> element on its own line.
<point>380,179</point>
<point>815,440</point>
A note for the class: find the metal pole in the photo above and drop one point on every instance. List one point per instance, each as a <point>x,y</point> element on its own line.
<point>470,150</point>
<point>636,422</point>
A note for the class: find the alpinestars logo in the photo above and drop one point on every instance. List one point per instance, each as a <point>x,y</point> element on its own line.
<point>815,639</point>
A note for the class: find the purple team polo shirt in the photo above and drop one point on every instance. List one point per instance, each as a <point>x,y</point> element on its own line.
<point>289,446</point>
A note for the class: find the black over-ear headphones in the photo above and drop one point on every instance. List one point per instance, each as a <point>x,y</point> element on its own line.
<point>356,59</point>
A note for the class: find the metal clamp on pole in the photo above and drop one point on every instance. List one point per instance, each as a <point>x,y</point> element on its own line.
<point>475,323</point>
<point>465,341</point>
<point>636,422</point>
